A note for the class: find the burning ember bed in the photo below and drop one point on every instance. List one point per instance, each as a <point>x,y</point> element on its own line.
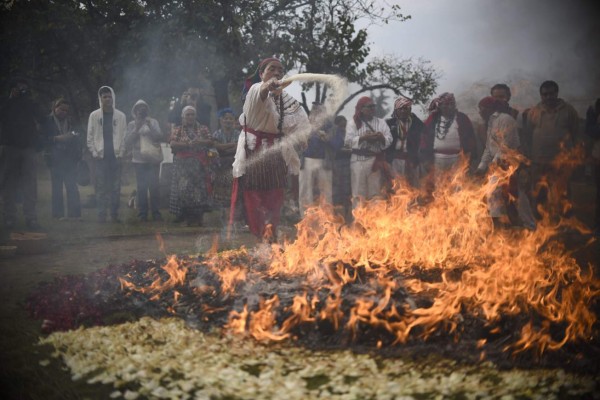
<point>405,281</point>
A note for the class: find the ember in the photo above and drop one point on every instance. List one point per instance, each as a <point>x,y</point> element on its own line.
<point>434,276</point>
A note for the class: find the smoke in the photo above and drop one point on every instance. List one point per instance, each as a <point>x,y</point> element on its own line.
<point>526,43</point>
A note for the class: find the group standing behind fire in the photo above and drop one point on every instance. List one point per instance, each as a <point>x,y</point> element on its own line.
<point>250,162</point>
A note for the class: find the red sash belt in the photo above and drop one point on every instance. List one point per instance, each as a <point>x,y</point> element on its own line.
<point>263,136</point>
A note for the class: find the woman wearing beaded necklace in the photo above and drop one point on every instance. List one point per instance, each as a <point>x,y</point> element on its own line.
<point>406,129</point>
<point>269,114</point>
<point>448,134</point>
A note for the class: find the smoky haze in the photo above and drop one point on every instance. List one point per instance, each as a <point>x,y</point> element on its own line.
<point>476,43</point>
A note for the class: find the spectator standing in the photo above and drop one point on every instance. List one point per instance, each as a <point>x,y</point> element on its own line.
<point>143,140</point>
<point>368,137</point>
<point>194,165</point>
<point>406,129</point>
<point>342,190</point>
<point>226,138</point>
<point>19,142</point>
<point>502,137</point>
<point>448,134</point>
<point>550,125</point>
<point>592,128</point>
<point>64,148</point>
<point>317,163</point>
<point>107,127</point>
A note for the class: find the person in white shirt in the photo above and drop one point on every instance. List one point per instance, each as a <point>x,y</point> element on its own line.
<point>368,137</point>
<point>269,114</point>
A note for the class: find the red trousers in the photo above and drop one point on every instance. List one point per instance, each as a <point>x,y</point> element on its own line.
<point>263,207</point>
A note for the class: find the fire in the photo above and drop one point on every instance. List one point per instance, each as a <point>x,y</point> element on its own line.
<point>417,265</point>
<point>176,271</point>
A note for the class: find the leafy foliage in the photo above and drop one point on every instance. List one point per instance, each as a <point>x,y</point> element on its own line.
<point>154,49</point>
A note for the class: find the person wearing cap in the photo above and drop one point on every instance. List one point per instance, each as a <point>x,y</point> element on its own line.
<point>406,129</point>
<point>263,158</point>
<point>106,142</point>
<point>368,136</point>
<point>63,152</point>
<point>502,140</point>
<point>317,163</point>
<point>146,165</point>
<point>194,165</point>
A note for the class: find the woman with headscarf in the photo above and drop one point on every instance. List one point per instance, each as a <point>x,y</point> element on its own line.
<point>406,129</point>
<point>368,137</point>
<point>226,138</point>
<point>448,133</point>
<point>147,166</point>
<point>502,138</point>
<point>262,158</point>
<point>194,164</point>
<point>62,155</point>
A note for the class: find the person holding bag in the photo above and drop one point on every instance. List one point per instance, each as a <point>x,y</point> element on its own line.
<point>143,140</point>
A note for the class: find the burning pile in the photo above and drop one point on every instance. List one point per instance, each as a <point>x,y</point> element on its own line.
<point>433,276</point>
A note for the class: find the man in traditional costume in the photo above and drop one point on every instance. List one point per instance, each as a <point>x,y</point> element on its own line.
<point>262,158</point>
<point>368,137</point>
<point>406,129</point>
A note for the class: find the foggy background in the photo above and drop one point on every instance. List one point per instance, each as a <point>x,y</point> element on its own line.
<point>477,43</point>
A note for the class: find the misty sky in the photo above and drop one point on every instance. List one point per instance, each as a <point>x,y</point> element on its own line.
<point>489,41</point>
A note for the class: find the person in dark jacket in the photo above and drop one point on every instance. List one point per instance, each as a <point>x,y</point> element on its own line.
<point>63,152</point>
<point>592,128</point>
<point>406,129</point>
<point>19,142</point>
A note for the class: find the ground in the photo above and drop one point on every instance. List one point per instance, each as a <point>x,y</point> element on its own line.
<point>81,247</point>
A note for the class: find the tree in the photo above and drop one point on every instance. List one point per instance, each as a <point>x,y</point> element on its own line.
<point>153,49</point>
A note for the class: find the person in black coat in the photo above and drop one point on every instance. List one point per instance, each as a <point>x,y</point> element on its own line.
<point>63,152</point>
<point>403,153</point>
<point>19,142</point>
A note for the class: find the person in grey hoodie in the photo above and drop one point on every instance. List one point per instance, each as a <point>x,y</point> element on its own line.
<point>106,143</point>
<point>144,133</point>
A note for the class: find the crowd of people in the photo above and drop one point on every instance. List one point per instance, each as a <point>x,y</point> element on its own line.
<point>244,169</point>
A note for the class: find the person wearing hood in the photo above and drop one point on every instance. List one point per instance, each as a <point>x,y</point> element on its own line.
<point>64,148</point>
<point>143,140</point>
<point>106,142</point>
<point>551,125</point>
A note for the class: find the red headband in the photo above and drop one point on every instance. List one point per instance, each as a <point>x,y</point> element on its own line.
<point>363,101</point>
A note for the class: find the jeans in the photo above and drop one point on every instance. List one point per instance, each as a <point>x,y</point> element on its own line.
<point>64,172</point>
<point>18,175</point>
<point>147,184</point>
<point>108,186</point>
